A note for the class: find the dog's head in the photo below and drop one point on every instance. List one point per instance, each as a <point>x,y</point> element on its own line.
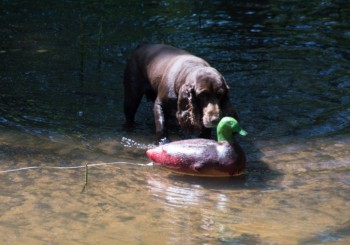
<point>202,99</point>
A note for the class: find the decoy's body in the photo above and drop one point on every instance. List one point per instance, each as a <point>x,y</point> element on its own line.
<point>204,157</point>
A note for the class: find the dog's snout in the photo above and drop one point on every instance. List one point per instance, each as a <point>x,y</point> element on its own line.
<point>214,119</point>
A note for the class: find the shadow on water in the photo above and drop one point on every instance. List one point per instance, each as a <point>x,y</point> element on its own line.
<point>249,180</point>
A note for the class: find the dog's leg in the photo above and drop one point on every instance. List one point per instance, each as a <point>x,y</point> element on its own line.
<point>133,93</point>
<point>131,104</point>
<point>159,118</point>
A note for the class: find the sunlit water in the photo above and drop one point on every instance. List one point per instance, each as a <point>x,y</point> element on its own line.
<point>287,64</point>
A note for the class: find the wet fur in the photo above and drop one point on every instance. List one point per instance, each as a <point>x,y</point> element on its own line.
<point>178,83</point>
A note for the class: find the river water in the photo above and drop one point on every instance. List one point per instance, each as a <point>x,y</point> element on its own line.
<point>287,63</point>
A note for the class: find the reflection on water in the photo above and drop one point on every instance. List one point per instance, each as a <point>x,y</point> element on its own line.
<point>287,64</point>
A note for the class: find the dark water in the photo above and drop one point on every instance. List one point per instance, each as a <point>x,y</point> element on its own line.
<point>288,66</point>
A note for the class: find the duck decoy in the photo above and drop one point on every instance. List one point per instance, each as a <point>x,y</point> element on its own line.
<point>204,157</point>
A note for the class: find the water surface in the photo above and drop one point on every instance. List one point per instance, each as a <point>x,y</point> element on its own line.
<point>287,63</point>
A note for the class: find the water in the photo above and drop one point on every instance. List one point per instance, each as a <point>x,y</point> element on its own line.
<point>287,63</point>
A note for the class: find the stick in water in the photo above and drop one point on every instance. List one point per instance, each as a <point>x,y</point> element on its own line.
<point>86,178</point>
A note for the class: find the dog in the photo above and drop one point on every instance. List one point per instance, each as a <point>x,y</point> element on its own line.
<point>180,84</point>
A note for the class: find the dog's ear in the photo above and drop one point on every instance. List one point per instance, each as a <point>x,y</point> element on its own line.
<point>226,105</point>
<point>188,114</point>
<point>185,105</point>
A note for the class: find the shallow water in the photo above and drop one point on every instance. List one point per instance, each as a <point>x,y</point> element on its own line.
<point>287,63</point>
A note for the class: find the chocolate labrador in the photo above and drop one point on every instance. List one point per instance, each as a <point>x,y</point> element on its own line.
<point>179,84</point>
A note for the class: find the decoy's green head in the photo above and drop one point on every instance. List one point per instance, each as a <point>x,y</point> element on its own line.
<point>227,127</point>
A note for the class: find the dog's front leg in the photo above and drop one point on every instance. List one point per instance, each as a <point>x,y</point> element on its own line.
<point>159,118</point>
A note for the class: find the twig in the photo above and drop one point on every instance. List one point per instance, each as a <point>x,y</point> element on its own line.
<point>86,178</point>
